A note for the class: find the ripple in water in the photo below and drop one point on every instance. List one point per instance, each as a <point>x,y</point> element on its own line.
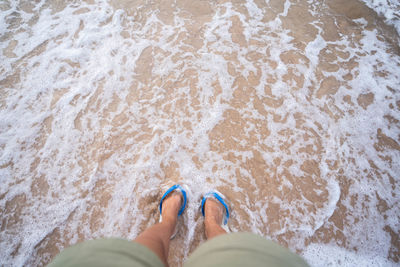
<point>291,109</point>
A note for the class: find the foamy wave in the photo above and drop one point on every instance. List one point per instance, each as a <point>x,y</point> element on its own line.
<point>294,118</point>
<point>390,9</point>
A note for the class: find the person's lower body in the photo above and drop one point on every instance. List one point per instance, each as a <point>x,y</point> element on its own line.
<point>233,249</point>
<point>157,237</point>
<point>150,248</point>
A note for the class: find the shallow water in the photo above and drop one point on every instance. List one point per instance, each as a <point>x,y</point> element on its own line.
<point>289,108</point>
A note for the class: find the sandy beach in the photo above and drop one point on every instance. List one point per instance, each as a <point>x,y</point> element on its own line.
<point>290,108</point>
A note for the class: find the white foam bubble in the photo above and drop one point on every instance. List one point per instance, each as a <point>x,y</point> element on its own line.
<point>332,255</point>
<point>390,9</point>
<point>83,60</point>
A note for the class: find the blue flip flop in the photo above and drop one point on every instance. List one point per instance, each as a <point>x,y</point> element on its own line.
<point>172,188</point>
<point>218,196</point>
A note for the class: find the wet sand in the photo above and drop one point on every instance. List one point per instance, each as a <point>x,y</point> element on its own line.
<point>291,109</point>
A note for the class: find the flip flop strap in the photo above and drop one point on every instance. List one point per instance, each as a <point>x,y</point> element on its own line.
<point>172,188</point>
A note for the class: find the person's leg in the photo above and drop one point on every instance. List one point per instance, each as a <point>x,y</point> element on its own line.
<point>237,249</point>
<point>157,237</point>
<point>213,213</point>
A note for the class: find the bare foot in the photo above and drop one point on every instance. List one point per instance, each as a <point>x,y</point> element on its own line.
<point>170,207</point>
<point>214,213</point>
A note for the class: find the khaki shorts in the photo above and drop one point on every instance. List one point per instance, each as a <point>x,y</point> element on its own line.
<point>237,249</point>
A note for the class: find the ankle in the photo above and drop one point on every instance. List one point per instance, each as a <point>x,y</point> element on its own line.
<point>213,229</point>
<point>211,222</point>
<point>169,224</point>
<point>169,220</point>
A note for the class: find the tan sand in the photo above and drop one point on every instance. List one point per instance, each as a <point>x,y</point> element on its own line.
<point>263,191</point>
